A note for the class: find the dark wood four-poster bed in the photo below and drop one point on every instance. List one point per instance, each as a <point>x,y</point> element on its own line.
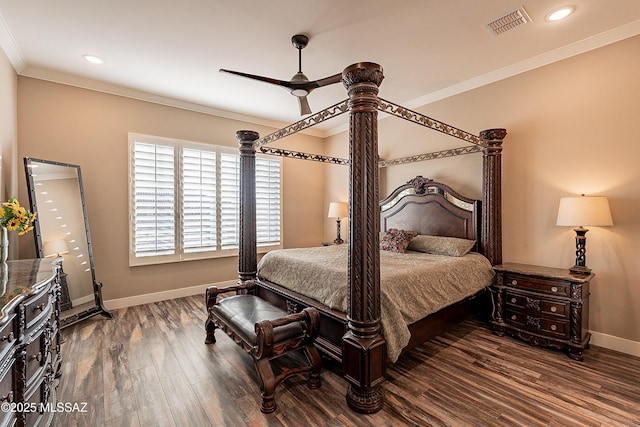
<point>351,330</point>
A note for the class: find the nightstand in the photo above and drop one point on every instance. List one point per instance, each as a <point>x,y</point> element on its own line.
<point>331,243</point>
<point>543,306</point>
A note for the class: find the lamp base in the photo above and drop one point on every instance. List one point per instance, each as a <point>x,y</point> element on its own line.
<point>338,240</point>
<point>581,252</point>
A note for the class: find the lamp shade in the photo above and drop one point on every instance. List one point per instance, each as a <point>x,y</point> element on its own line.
<point>584,210</point>
<point>55,248</point>
<point>338,210</point>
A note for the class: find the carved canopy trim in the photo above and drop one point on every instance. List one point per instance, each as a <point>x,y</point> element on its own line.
<point>314,119</point>
<point>414,117</point>
<point>430,156</point>
<point>385,106</point>
<point>302,156</point>
<point>381,164</point>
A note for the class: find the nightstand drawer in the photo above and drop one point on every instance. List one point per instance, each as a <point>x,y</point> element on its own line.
<point>550,287</point>
<point>542,325</point>
<point>534,304</point>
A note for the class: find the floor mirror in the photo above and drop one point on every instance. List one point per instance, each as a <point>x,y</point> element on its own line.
<point>61,230</point>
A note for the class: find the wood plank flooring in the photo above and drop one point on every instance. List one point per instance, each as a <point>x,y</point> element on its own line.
<point>149,366</point>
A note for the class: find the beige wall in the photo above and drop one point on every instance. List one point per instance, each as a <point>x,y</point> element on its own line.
<point>573,128</point>
<point>8,138</point>
<point>88,128</point>
<point>8,124</point>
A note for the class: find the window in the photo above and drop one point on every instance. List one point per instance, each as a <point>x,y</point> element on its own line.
<point>185,200</point>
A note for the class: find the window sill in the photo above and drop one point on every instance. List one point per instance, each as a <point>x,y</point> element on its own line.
<point>170,259</point>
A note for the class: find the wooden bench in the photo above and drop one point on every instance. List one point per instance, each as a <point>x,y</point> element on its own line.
<point>265,332</point>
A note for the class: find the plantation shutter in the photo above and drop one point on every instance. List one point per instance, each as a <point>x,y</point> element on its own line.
<point>154,200</point>
<point>198,200</point>
<point>267,201</point>
<point>185,200</point>
<point>229,200</point>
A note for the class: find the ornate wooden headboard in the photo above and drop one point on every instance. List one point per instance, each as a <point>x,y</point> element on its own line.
<point>431,208</point>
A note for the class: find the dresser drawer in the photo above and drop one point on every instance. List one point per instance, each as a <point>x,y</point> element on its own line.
<point>534,304</point>
<point>548,326</point>
<point>37,403</point>
<point>36,357</point>
<point>8,335</point>
<point>550,287</point>
<point>38,309</point>
<point>7,392</point>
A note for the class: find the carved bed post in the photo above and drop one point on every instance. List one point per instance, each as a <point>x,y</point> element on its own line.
<point>363,346</point>
<point>492,195</point>
<point>247,256</point>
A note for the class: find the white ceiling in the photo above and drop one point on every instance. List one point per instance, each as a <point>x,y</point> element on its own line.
<point>170,51</point>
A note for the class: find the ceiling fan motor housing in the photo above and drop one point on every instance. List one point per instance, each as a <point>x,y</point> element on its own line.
<point>300,41</point>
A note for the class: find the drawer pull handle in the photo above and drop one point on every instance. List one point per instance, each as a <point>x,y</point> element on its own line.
<point>39,307</point>
<point>37,357</point>
<point>513,300</point>
<point>554,327</point>
<point>553,309</point>
<point>7,398</point>
<point>513,317</point>
<point>554,289</point>
<point>514,282</point>
<point>8,338</point>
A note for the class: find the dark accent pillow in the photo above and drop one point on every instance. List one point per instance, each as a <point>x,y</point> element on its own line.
<point>440,245</point>
<point>396,240</point>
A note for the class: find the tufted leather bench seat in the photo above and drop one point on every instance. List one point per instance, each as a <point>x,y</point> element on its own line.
<point>265,332</point>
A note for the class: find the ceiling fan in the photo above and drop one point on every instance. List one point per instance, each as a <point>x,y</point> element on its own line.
<point>299,85</point>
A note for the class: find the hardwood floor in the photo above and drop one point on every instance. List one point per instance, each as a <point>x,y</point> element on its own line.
<point>149,366</point>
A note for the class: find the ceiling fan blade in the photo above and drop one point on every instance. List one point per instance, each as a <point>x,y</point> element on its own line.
<point>304,105</point>
<point>337,78</point>
<point>255,77</point>
<point>299,85</point>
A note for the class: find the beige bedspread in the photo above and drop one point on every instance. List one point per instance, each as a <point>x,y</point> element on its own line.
<point>413,284</point>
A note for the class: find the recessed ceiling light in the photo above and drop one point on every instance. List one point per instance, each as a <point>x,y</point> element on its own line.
<point>93,59</point>
<point>558,14</point>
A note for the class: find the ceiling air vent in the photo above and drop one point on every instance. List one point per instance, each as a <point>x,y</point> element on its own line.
<point>509,21</point>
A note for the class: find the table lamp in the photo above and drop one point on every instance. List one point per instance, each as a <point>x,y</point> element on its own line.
<point>581,211</point>
<point>338,210</point>
<point>55,248</point>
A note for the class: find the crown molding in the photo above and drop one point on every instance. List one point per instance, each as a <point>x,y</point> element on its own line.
<point>10,48</point>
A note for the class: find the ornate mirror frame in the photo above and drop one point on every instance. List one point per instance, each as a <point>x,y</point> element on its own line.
<point>85,310</point>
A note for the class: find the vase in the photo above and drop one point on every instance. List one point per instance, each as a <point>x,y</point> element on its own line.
<point>4,244</point>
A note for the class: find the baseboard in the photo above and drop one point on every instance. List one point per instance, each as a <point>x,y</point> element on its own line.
<point>616,343</point>
<point>117,303</point>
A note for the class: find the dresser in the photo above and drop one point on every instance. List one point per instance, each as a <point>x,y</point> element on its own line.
<point>29,341</point>
<point>543,306</point>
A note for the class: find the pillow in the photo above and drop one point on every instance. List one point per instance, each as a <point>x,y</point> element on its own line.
<point>440,245</point>
<point>396,240</point>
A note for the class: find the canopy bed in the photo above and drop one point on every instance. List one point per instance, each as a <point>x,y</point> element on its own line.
<point>351,330</point>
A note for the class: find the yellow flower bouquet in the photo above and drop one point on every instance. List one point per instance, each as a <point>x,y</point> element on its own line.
<point>16,217</point>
